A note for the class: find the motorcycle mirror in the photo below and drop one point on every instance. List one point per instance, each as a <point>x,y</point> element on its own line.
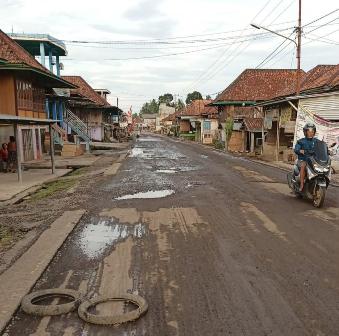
<point>333,145</point>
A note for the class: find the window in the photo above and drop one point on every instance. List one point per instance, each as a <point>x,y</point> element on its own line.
<point>38,99</point>
<point>207,125</point>
<point>24,95</point>
<point>29,97</point>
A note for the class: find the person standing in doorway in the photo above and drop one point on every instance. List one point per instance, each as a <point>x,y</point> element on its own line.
<point>12,152</point>
<point>4,157</point>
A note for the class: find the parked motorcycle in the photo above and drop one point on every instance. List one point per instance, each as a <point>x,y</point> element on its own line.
<point>318,175</point>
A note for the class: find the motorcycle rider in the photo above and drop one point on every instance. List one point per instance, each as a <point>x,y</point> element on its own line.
<point>304,149</point>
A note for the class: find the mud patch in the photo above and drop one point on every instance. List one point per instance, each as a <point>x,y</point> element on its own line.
<point>147,194</point>
<point>251,174</point>
<point>330,214</point>
<point>281,188</point>
<point>267,223</point>
<point>97,237</point>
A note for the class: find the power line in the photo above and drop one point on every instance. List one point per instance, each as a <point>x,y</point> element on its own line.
<point>234,53</point>
<point>271,55</point>
<point>306,43</point>
<point>323,25</point>
<point>322,17</point>
<point>217,60</point>
<point>170,54</point>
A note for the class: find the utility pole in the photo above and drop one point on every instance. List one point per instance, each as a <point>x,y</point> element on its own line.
<point>298,49</point>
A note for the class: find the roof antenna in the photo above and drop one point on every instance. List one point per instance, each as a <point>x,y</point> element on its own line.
<point>12,29</point>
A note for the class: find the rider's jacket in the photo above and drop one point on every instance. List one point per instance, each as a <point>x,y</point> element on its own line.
<point>307,144</point>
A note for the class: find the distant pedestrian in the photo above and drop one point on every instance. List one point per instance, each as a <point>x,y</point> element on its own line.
<point>12,154</point>
<point>4,157</point>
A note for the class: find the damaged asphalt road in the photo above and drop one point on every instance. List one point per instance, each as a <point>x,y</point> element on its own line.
<point>216,244</point>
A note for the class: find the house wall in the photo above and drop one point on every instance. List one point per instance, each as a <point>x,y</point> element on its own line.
<point>207,136</point>
<point>184,126</point>
<point>96,133</point>
<point>31,143</point>
<point>5,132</point>
<point>7,95</point>
<point>237,141</point>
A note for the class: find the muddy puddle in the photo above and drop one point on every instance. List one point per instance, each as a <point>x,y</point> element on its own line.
<point>147,194</point>
<point>149,139</point>
<point>165,171</point>
<point>96,237</point>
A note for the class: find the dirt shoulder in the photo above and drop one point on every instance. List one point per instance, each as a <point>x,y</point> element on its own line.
<point>22,223</point>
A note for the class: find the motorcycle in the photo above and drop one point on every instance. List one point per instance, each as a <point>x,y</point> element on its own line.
<point>318,175</point>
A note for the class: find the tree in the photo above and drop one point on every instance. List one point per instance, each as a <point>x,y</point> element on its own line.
<point>193,96</point>
<point>179,105</point>
<point>167,98</point>
<point>150,107</point>
<point>208,97</point>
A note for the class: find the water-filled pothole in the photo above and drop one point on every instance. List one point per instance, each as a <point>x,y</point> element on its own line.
<point>97,237</point>
<point>147,194</point>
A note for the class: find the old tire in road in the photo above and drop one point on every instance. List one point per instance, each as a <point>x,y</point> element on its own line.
<point>29,302</point>
<point>113,319</point>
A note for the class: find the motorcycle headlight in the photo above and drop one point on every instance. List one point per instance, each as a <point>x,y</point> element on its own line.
<point>310,173</point>
<point>318,168</point>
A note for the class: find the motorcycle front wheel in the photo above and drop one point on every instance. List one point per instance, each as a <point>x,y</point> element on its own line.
<point>319,197</point>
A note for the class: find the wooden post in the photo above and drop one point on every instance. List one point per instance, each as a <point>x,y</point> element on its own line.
<point>51,147</point>
<point>252,146</point>
<point>278,137</point>
<point>263,133</point>
<point>18,152</point>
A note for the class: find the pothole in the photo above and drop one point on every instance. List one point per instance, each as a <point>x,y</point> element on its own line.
<point>96,237</point>
<point>147,194</point>
<point>165,171</point>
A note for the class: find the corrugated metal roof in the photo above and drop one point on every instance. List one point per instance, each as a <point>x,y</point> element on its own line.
<point>326,107</point>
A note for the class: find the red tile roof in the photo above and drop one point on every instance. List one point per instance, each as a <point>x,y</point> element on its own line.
<point>13,53</point>
<point>199,107</point>
<point>85,90</point>
<point>253,124</point>
<point>316,78</point>
<point>170,117</point>
<point>321,75</point>
<point>258,85</point>
<point>137,120</point>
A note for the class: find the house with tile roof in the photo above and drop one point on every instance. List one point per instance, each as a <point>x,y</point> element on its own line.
<point>286,113</point>
<point>237,103</point>
<point>92,109</point>
<point>198,121</point>
<point>24,86</point>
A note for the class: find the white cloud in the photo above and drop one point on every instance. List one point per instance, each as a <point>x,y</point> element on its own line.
<point>134,81</point>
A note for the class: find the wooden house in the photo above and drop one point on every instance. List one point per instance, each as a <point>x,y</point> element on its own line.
<point>237,103</point>
<point>198,121</point>
<point>24,113</point>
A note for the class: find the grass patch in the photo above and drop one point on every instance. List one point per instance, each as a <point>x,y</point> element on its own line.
<point>51,188</point>
<point>78,172</point>
<point>8,236</point>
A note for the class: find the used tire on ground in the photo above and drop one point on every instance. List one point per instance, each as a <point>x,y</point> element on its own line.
<point>112,319</point>
<point>29,302</point>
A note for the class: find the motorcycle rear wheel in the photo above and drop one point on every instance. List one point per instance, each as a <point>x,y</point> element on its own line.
<point>319,197</point>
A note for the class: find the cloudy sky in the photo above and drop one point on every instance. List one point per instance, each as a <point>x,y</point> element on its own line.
<point>203,44</point>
